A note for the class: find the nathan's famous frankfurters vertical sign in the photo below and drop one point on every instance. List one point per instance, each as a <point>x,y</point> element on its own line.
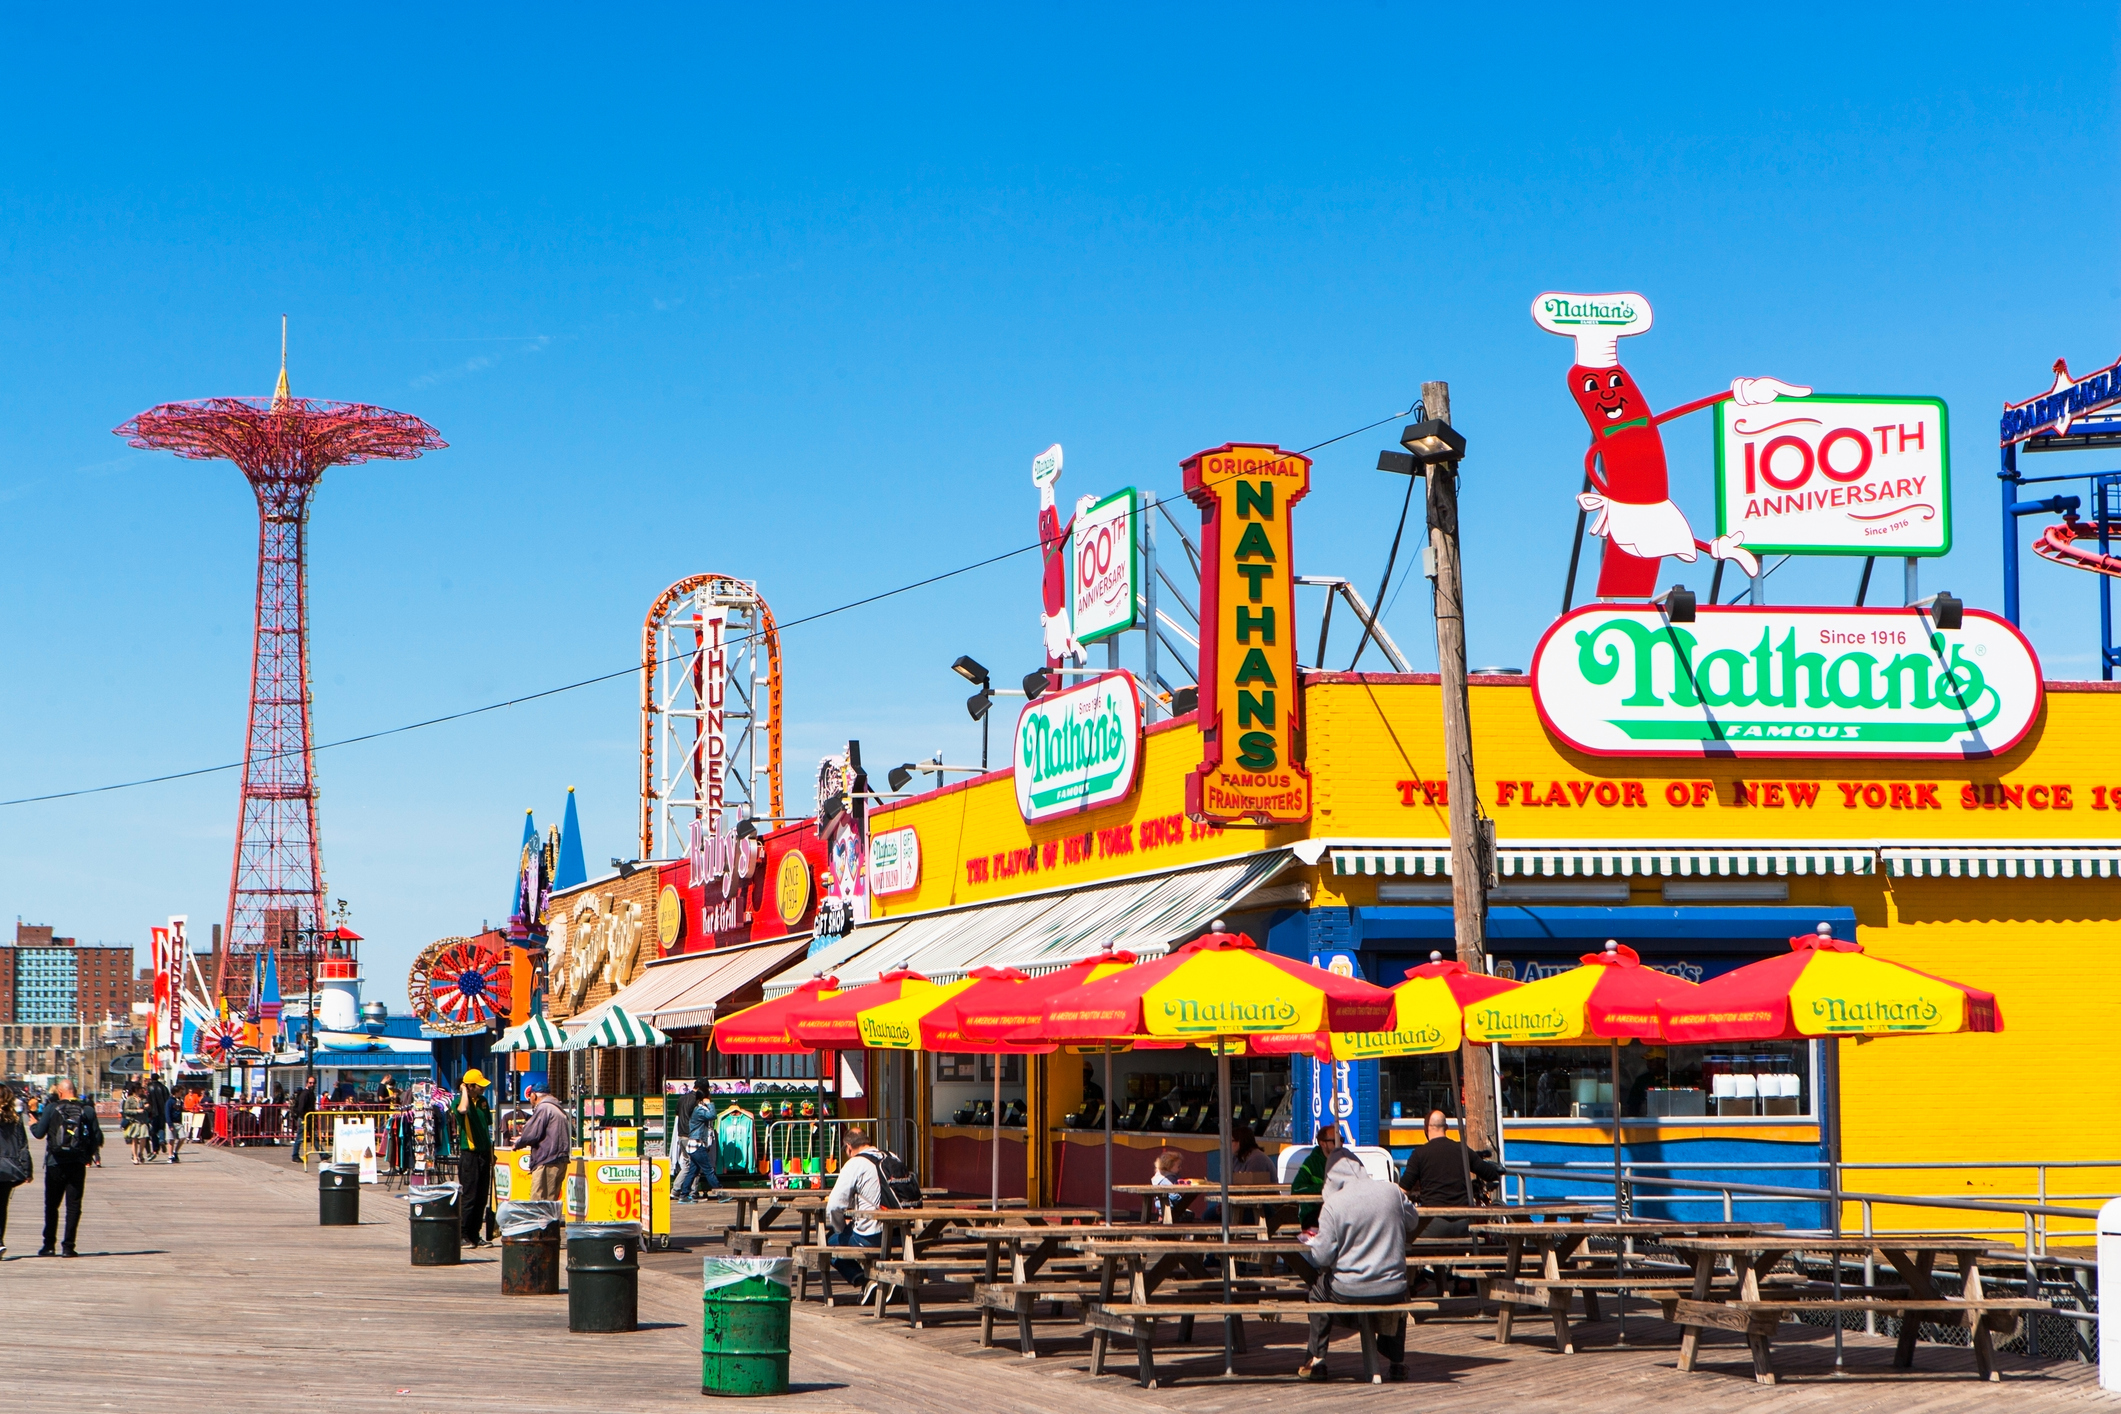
<point>1251,704</point>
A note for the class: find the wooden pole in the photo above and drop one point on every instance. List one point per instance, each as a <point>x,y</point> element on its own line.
<point>1472,833</point>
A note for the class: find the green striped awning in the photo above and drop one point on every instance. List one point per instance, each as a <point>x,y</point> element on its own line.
<point>1578,861</point>
<point>536,1034</point>
<point>618,1027</point>
<point>1993,861</point>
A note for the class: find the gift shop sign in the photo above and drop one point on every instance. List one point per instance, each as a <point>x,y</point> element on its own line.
<point>1764,682</point>
<point>1101,595</point>
<point>1251,704</point>
<point>1835,475</point>
<point>1079,749</point>
<point>894,861</point>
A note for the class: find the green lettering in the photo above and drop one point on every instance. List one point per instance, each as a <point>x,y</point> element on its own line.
<point>1255,669</point>
<point>1601,668</point>
<point>1793,662</point>
<point>1255,752</point>
<point>1253,544</point>
<point>1254,574</point>
<point>1263,621</point>
<point>1733,693</point>
<point>1255,709</point>
<point>1916,669</point>
<point>1255,497</point>
<point>1861,695</point>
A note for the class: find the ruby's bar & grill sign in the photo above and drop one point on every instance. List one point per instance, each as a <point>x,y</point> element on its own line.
<point>1079,749</point>
<point>1757,682</point>
<point>1251,705</point>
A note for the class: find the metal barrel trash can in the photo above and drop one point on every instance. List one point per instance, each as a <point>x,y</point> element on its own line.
<point>437,1226</point>
<point>603,1276</point>
<point>744,1325</point>
<point>339,1195</point>
<point>530,1247</point>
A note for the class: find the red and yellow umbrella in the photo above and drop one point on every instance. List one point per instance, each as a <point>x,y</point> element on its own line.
<point>1017,1015</point>
<point>1827,986</point>
<point>1220,987</point>
<point>763,1029</point>
<point>834,1023</point>
<point>1428,1018</point>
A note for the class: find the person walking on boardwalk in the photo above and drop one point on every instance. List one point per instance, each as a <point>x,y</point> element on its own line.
<point>1360,1255</point>
<point>475,1159</point>
<point>157,1118</point>
<point>549,1139</point>
<point>173,1120</point>
<point>298,1112</point>
<point>132,1121</point>
<point>72,1136</point>
<point>15,1163</point>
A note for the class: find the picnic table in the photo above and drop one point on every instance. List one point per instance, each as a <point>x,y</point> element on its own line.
<point>1492,1213</point>
<point>1567,1271</point>
<point>1179,1196</point>
<point>1754,1303</point>
<point>757,1209</point>
<point>919,1227</point>
<point>1150,1263</point>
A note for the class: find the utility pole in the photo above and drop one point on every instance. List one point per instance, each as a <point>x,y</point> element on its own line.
<point>1472,832</point>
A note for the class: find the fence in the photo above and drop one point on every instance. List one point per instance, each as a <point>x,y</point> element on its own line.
<point>2066,1281</point>
<point>259,1123</point>
<point>792,1141</point>
<point>394,1152</point>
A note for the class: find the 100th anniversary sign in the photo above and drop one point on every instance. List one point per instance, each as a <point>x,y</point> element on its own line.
<point>1766,682</point>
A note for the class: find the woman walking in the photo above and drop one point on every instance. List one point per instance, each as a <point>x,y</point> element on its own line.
<point>132,1113</point>
<point>14,1156</point>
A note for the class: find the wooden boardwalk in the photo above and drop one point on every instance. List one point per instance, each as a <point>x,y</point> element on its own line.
<point>210,1287</point>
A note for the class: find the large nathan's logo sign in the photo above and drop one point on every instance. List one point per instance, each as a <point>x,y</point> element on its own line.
<point>1079,749</point>
<point>1752,682</point>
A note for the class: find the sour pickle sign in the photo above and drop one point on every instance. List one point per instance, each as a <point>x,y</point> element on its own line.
<point>1251,703</point>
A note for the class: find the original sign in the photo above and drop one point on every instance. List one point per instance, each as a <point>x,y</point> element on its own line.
<point>1079,749</point>
<point>1251,703</point>
<point>1834,475</point>
<point>1761,682</point>
<point>1107,579</point>
<point>894,861</point>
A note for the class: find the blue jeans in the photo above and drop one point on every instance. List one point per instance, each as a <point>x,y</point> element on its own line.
<point>694,1160</point>
<point>851,1272</point>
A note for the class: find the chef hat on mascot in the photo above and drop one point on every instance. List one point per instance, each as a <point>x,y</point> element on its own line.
<point>1596,322</point>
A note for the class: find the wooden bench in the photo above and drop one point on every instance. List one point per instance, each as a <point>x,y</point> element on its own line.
<point>1554,1295</point>
<point>1137,1322</point>
<point>1984,1317</point>
<point>817,1259</point>
<point>1018,1299</point>
<point>898,1274</point>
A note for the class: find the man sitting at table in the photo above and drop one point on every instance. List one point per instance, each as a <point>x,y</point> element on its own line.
<point>1360,1252</point>
<point>1435,1177</point>
<point>859,1186</point>
<point>1317,1167</point>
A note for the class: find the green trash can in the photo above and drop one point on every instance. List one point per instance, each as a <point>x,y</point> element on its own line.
<point>339,1195</point>
<point>530,1247</point>
<point>744,1325</point>
<point>437,1226</point>
<point>603,1276</point>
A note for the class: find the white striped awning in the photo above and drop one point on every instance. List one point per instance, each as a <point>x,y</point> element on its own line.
<point>1576,861</point>
<point>618,1028</point>
<point>537,1034</point>
<point>1990,861</point>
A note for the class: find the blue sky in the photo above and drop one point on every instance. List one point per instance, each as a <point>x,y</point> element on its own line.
<point>798,299</point>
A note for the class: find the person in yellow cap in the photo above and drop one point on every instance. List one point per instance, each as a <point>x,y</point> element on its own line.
<point>475,1159</point>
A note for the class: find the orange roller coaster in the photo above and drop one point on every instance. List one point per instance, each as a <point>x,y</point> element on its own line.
<point>2075,544</point>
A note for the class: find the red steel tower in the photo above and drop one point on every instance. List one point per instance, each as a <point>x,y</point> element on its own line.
<point>282,445</point>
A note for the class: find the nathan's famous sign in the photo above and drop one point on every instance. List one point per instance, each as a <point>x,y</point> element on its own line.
<point>1251,704</point>
<point>1751,682</point>
<point>1079,749</point>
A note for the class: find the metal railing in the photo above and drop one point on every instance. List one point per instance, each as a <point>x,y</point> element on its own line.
<point>2076,1279</point>
<point>256,1122</point>
<point>799,1140</point>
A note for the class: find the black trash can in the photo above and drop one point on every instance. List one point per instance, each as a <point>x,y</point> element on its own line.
<point>603,1276</point>
<point>339,1195</point>
<point>530,1247</point>
<point>437,1227</point>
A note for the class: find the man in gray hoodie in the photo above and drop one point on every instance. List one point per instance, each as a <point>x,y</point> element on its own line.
<point>1360,1252</point>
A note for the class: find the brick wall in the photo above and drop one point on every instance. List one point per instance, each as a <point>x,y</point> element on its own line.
<point>602,935</point>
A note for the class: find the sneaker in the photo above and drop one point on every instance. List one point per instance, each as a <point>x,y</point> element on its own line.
<point>1314,1370</point>
<point>68,1252</point>
<point>1395,1374</point>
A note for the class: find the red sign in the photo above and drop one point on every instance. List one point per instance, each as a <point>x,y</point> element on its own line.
<point>735,904</point>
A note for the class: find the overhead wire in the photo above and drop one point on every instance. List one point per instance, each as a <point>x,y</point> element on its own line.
<point>627,671</point>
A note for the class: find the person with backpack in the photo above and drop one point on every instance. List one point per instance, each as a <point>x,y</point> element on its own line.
<point>869,1178</point>
<point>15,1164</point>
<point>72,1137</point>
<point>697,1147</point>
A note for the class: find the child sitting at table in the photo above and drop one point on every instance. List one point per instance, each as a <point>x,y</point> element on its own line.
<point>1166,1176</point>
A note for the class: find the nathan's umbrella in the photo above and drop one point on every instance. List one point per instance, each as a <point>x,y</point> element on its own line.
<point>1428,1019</point>
<point>1017,1014</point>
<point>1611,997</point>
<point>766,1030</point>
<point>1215,991</point>
<point>928,1020</point>
<point>1823,989</point>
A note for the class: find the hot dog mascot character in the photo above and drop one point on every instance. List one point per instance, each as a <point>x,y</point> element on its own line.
<point>1630,491</point>
<point>1054,627</point>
